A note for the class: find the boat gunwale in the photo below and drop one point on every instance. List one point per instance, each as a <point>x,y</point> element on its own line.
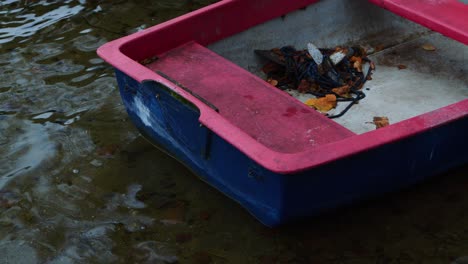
<point>424,18</point>
<point>284,163</point>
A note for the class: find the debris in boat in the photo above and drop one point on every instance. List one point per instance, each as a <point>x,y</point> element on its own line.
<point>379,47</point>
<point>322,104</point>
<point>338,56</point>
<point>272,82</point>
<point>402,66</point>
<point>357,63</point>
<point>149,60</point>
<point>315,53</point>
<point>342,91</point>
<point>428,47</point>
<point>108,151</point>
<point>304,86</point>
<point>380,121</point>
<point>331,75</point>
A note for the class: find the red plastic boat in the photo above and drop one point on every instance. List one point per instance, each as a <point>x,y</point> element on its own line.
<point>193,87</point>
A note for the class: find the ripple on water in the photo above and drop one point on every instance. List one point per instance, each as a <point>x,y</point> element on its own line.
<point>27,24</point>
<point>82,77</point>
<point>25,89</point>
<point>88,43</point>
<point>35,97</point>
<point>18,252</point>
<point>46,50</point>
<point>29,147</point>
<point>155,252</point>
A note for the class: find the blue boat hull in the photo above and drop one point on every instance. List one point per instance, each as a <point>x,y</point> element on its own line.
<point>172,123</point>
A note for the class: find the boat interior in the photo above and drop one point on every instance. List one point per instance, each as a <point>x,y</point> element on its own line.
<point>227,73</point>
<point>430,80</point>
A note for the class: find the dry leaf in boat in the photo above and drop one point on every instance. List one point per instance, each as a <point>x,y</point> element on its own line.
<point>357,63</point>
<point>381,121</point>
<point>322,104</point>
<point>360,51</point>
<point>401,66</point>
<point>277,51</point>
<point>342,91</point>
<point>272,82</point>
<point>379,48</point>
<point>271,67</point>
<point>304,86</point>
<point>358,66</point>
<point>428,47</point>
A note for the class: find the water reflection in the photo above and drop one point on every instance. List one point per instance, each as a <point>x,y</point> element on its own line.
<point>19,23</point>
<point>30,147</point>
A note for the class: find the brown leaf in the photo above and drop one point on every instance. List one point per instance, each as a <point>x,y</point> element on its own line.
<point>272,82</point>
<point>277,51</point>
<point>401,66</point>
<point>428,47</point>
<point>304,86</point>
<point>323,104</point>
<point>379,47</point>
<point>381,121</point>
<point>360,51</point>
<point>271,67</point>
<point>357,63</point>
<point>358,66</point>
<point>342,91</point>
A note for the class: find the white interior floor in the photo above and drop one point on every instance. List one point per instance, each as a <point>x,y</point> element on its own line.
<point>431,80</point>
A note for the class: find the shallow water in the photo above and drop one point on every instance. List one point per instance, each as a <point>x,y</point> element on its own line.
<point>79,185</point>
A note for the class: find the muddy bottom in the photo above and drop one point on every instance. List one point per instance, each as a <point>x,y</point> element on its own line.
<point>78,184</point>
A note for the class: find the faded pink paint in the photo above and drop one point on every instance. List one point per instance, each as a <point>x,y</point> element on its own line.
<point>448,17</point>
<point>270,116</point>
<point>226,18</point>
